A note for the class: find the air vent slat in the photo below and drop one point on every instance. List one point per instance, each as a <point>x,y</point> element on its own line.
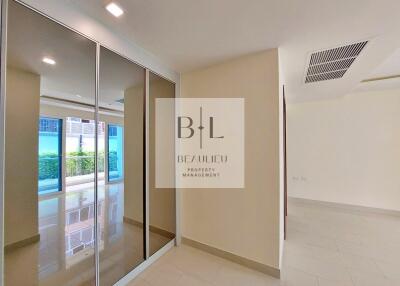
<point>325,76</point>
<point>332,63</point>
<point>330,66</point>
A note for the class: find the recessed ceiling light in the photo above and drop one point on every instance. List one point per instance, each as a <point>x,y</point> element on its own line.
<point>48,61</point>
<point>114,9</point>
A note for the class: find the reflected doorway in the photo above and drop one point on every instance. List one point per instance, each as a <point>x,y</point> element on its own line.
<point>80,153</point>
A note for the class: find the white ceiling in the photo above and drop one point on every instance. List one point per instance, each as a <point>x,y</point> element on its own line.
<point>188,34</point>
<point>389,67</point>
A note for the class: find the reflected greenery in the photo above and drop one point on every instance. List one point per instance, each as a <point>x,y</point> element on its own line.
<point>48,166</point>
<point>77,164</point>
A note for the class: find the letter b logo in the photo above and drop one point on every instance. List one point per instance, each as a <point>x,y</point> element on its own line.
<point>188,126</point>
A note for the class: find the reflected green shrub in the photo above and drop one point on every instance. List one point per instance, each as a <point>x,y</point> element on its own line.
<point>48,166</point>
<point>112,161</point>
<point>77,164</point>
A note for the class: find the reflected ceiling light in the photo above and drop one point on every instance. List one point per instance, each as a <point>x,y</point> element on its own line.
<point>78,95</point>
<point>114,9</point>
<point>48,61</point>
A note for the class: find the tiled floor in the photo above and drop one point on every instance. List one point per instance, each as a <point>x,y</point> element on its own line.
<point>325,247</point>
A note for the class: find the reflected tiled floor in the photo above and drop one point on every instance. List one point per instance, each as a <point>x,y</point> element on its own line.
<point>65,256</point>
<point>325,247</point>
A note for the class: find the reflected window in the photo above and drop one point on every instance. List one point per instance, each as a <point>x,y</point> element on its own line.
<point>115,152</point>
<point>73,217</point>
<point>50,149</point>
<point>84,214</point>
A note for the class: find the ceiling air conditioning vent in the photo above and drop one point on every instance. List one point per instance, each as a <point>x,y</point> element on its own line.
<point>333,63</point>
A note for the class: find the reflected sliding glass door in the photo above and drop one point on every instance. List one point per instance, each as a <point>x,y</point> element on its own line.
<point>50,151</point>
<point>115,152</point>
<point>80,152</point>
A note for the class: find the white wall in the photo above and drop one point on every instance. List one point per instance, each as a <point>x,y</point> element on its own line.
<point>346,150</point>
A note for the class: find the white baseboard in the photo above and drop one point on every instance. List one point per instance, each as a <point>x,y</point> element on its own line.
<point>347,207</point>
<point>266,269</point>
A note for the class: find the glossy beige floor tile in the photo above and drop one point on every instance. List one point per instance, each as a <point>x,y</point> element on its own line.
<point>324,247</point>
<point>64,256</point>
<point>186,266</point>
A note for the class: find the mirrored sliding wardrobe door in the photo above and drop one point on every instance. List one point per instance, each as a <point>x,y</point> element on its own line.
<point>162,212</point>
<point>49,153</point>
<point>121,167</point>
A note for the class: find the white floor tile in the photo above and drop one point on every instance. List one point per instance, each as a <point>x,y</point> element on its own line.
<point>324,247</point>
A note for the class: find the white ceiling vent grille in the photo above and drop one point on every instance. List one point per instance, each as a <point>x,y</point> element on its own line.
<point>333,63</point>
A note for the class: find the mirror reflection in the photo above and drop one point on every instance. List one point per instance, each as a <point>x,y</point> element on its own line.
<point>162,211</point>
<point>49,164</point>
<point>50,158</point>
<point>121,108</point>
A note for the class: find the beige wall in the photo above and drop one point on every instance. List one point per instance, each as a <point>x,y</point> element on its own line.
<point>133,151</point>
<point>245,222</point>
<point>346,150</point>
<point>21,153</point>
